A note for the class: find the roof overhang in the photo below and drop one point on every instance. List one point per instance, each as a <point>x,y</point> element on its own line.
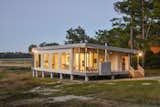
<point>89,45</point>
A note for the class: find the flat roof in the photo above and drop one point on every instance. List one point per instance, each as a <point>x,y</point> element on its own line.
<point>89,45</point>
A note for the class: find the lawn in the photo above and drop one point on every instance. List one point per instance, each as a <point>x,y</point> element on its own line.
<point>18,88</point>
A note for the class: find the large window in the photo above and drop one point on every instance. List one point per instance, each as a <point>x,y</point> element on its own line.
<point>79,59</point>
<point>82,60</point>
<point>55,61</point>
<point>76,59</point>
<point>37,60</point>
<point>45,61</point>
<point>91,60</point>
<point>65,61</point>
<point>87,59</point>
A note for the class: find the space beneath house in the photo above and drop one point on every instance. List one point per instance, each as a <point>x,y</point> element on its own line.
<point>83,59</point>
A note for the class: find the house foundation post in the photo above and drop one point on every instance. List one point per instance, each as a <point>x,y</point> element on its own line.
<point>51,75</point>
<point>42,74</point>
<point>61,76</point>
<point>71,77</point>
<point>86,78</point>
<point>112,77</point>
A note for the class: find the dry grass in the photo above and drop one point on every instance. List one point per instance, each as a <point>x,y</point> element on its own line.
<point>16,62</point>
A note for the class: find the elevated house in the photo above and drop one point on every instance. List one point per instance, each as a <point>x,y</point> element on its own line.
<point>84,59</point>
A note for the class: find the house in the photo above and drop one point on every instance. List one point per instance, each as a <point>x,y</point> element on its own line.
<point>83,59</point>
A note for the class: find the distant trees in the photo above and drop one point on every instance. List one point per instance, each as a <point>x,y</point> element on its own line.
<point>78,35</point>
<point>47,44</point>
<point>15,55</point>
<point>114,37</point>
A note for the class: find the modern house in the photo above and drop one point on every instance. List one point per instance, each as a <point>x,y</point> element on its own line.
<point>83,59</point>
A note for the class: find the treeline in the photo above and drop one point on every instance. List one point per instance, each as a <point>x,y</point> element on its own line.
<point>15,55</point>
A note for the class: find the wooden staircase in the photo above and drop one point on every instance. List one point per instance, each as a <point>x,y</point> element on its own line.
<point>138,73</point>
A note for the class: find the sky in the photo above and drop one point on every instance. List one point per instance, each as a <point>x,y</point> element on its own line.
<point>25,22</point>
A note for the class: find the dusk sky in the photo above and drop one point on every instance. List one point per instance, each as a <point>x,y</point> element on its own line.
<point>25,22</point>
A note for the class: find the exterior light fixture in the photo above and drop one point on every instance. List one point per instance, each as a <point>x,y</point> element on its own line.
<point>138,57</point>
<point>140,54</point>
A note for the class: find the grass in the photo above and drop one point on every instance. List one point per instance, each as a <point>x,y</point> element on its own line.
<point>16,62</point>
<point>14,85</point>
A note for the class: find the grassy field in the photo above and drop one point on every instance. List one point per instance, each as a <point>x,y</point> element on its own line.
<point>16,62</point>
<point>18,88</point>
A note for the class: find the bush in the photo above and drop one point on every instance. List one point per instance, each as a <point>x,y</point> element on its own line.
<point>152,60</point>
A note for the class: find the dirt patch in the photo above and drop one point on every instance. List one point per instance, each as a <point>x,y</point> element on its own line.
<point>48,100</point>
<point>110,83</point>
<point>43,90</point>
<point>146,83</point>
<point>69,97</point>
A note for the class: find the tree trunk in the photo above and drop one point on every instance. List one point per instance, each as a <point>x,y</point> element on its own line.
<point>143,31</point>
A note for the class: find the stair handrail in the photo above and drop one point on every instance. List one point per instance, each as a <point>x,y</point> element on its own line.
<point>141,70</point>
<point>131,71</point>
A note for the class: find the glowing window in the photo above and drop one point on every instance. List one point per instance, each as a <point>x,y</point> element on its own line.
<point>65,61</point>
<point>55,61</point>
<point>45,61</point>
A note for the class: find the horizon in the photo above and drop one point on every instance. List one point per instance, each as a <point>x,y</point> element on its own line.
<point>35,21</point>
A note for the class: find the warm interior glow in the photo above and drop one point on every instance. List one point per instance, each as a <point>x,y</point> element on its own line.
<point>45,60</point>
<point>88,60</point>
<point>65,61</point>
<point>91,60</point>
<point>55,61</point>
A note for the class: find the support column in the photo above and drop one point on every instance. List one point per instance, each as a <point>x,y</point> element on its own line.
<point>71,77</point>
<point>61,76</point>
<point>42,74</point>
<point>50,61</point>
<point>71,61</point>
<point>112,77</point>
<point>36,74</point>
<point>106,53</point>
<point>98,67</point>
<point>129,61</point>
<point>51,75</point>
<point>33,64</point>
<point>41,60</point>
<point>86,78</point>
